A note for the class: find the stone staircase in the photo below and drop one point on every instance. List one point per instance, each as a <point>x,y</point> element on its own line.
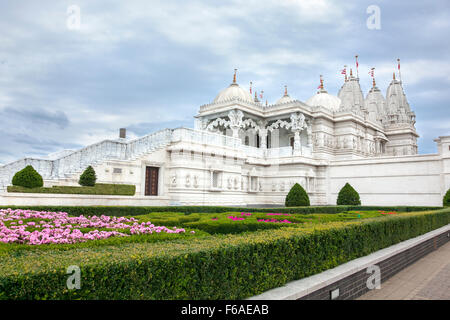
<point>74,163</point>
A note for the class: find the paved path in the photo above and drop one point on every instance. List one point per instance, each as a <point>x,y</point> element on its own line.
<point>426,279</point>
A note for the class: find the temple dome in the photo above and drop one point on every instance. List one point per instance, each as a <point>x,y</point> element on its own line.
<point>285,98</point>
<point>234,91</point>
<point>323,99</point>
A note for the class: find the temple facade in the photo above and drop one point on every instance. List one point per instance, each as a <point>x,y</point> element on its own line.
<point>246,152</point>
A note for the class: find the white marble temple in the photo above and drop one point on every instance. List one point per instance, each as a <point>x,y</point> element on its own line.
<point>244,152</point>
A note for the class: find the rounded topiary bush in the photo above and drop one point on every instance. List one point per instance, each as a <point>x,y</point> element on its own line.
<point>28,178</point>
<point>297,197</point>
<point>88,177</point>
<point>348,196</point>
<point>447,199</point>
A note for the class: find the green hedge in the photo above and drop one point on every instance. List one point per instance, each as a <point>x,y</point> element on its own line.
<point>88,177</point>
<point>27,178</point>
<point>446,200</point>
<point>98,189</point>
<point>348,196</point>
<point>231,267</point>
<point>140,210</point>
<point>296,197</point>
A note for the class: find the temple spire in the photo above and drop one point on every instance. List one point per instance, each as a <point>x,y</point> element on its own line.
<point>234,77</point>
<point>372,74</point>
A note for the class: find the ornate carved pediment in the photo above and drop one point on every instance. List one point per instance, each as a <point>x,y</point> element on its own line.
<point>297,123</point>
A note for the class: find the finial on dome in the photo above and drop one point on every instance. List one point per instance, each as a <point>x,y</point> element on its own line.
<point>321,82</point>
<point>345,72</point>
<point>267,103</point>
<point>285,90</point>
<point>393,75</point>
<point>351,72</point>
<point>234,77</point>
<point>251,87</point>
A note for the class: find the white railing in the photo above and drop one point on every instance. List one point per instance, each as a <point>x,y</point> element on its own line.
<point>253,151</point>
<point>279,152</point>
<point>204,137</point>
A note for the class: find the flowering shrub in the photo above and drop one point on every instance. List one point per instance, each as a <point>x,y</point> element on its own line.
<point>383,212</point>
<point>40,227</point>
<point>235,218</point>
<point>274,220</point>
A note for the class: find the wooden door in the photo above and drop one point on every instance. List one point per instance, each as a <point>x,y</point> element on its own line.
<point>151,181</point>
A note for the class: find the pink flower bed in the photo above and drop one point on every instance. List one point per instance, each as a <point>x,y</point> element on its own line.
<point>274,220</point>
<point>235,218</point>
<point>278,214</point>
<point>245,214</point>
<point>58,227</point>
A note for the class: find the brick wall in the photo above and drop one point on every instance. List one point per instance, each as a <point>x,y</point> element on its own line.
<point>355,285</point>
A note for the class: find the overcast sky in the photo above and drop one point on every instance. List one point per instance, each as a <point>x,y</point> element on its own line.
<point>148,64</point>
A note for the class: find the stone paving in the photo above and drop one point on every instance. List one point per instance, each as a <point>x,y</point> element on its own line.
<point>426,279</point>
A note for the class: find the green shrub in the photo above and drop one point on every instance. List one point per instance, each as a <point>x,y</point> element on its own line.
<point>297,197</point>
<point>348,196</point>
<point>98,189</point>
<point>141,210</point>
<point>88,177</point>
<point>447,199</point>
<point>212,267</point>
<point>28,178</point>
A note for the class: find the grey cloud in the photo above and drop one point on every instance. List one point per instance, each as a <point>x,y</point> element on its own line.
<point>130,65</point>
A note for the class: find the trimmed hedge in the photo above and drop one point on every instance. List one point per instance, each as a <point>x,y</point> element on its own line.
<point>231,267</point>
<point>140,210</point>
<point>88,177</point>
<point>99,189</point>
<point>348,196</point>
<point>297,197</point>
<point>446,200</point>
<point>28,178</point>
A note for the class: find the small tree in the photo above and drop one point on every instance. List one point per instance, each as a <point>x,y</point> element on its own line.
<point>447,199</point>
<point>88,177</point>
<point>348,196</point>
<point>296,197</point>
<point>28,178</point>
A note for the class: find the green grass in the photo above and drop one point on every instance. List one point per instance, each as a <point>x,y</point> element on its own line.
<point>98,189</point>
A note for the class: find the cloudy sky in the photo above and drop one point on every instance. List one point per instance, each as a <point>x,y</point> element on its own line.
<point>149,64</point>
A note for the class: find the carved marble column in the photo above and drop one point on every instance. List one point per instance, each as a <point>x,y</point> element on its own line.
<point>263,138</point>
<point>297,143</point>
<point>235,117</point>
<point>309,133</point>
